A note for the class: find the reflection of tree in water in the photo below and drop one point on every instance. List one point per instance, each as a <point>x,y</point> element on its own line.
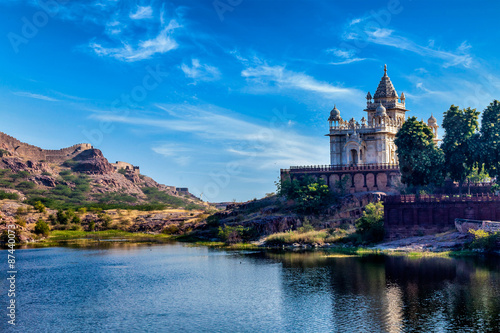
<point>452,294</point>
<point>391,294</point>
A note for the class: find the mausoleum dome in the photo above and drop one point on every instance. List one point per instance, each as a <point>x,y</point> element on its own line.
<point>334,114</point>
<point>380,111</point>
<point>432,121</point>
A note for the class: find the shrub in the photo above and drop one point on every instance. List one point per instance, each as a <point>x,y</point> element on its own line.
<point>25,185</point>
<point>106,220</point>
<point>232,235</point>
<point>122,171</point>
<point>371,225</point>
<point>20,211</point>
<point>213,221</point>
<point>484,240</point>
<point>21,222</point>
<point>171,229</point>
<point>39,206</point>
<point>192,206</point>
<point>91,225</point>
<point>76,219</point>
<point>75,227</point>
<point>156,196</point>
<point>42,228</point>
<point>52,219</point>
<point>45,173</point>
<point>62,217</point>
<point>11,196</point>
<point>70,163</point>
<point>306,227</point>
<point>20,175</point>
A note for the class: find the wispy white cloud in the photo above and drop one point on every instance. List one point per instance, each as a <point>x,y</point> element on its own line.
<point>345,56</point>
<point>201,72</point>
<point>142,12</point>
<point>179,154</point>
<point>263,146</point>
<point>283,78</point>
<point>145,49</point>
<point>131,32</point>
<point>388,37</point>
<point>35,96</point>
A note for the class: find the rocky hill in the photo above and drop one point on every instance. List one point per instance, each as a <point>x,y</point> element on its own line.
<point>80,176</point>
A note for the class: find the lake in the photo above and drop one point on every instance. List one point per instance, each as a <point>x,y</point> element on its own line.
<point>181,288</point>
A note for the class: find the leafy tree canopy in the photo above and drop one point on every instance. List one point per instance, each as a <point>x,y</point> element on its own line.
<point>420,161</point>
<point>311,195</point>
<point>371,225</point>
<point>460,142</point>
<point>490,139</point>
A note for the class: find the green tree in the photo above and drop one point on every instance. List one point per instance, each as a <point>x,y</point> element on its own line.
<point>371,225</point>
<point>478,174</point>
<point>62,217</point>
<point>310,195</point>
<point>490,139</point>
<point>420,161</point>
<point>42,228</point>
<point>460,142</point>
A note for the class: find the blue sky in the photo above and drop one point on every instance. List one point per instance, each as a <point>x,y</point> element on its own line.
<point>219,95</point>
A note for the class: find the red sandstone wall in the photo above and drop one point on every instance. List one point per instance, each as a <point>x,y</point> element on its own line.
<point>406,219</point>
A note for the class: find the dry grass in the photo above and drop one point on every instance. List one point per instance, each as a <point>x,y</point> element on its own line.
<point>309,237</point>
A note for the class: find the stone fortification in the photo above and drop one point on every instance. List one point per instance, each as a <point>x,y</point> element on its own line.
<point>34,153</point>
<point>407,215</point>
<point>126,166</point>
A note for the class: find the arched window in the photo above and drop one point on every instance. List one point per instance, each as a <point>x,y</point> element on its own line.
<point>354,156</point>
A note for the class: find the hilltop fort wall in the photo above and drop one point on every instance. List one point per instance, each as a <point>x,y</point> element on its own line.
<point>126,166</point>
<point>35,153</point>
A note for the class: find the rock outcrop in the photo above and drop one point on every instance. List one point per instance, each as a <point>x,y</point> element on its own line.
<point>92,162</point>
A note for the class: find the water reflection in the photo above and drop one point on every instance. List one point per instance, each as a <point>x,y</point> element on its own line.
<point>178,288</point>
<point>399,294</point>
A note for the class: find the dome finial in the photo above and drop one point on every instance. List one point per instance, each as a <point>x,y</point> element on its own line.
<point>380,111</point>
<point>334,114</point>
<point>385,70</point>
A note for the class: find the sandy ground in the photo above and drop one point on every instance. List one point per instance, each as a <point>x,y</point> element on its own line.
<point>435,243</point>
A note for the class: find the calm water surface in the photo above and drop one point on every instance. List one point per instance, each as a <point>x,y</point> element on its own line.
<point>178,288</point>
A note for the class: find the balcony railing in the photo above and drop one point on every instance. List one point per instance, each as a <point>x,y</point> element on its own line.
<point>387,105</point>
<point>343,167</point>
<point>411,198</point>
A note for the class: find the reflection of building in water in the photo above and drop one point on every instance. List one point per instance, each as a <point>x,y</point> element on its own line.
<point>389,294</point>
<point>362,301</point>
<point>393,297</point>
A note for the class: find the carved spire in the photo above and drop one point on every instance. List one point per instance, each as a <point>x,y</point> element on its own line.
<point>368,96</point>
<point>385,88</point>
<point>403,96</point>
